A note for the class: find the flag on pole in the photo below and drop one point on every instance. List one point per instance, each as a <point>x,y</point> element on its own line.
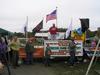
<point>69,30</point>
<point>79,31</point>
<point>84,24</point>
<point>26,27</point>
<point>38,27</point>
<point>51,16</point>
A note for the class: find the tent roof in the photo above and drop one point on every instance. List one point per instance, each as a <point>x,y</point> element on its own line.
<point>4,32</point>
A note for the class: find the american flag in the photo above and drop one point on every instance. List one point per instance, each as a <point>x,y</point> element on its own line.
<point>51,16</point>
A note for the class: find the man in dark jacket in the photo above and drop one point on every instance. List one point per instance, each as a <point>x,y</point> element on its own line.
<point>72,50</point>
<point>29,48</point>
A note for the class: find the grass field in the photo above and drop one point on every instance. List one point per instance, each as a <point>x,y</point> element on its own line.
<point>56,68</point>
<point>77,69</point>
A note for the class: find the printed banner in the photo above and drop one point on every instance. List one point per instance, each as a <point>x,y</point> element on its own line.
<point>60,47</point>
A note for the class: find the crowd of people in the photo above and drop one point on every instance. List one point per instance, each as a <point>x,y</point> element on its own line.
<point>9,47</point>
<point>9,50</point>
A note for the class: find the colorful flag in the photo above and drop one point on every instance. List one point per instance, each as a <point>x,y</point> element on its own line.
<point>79,31</point>
<point>38,27</point>
<point>51,16</point>
<point>69,30</point>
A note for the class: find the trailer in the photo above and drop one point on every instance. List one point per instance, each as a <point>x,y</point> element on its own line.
<point>59,48</point>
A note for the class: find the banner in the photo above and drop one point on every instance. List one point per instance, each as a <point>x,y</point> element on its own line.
<point>58,35</point>
<point>60,48</point>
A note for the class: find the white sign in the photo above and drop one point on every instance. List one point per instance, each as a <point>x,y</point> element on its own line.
<point>60,47</point>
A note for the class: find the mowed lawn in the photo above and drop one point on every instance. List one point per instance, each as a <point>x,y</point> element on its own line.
<point>56,68</point>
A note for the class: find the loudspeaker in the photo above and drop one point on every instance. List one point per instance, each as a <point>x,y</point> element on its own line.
<point>84,24</point>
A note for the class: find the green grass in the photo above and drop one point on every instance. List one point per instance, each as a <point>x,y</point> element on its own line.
<point>78,69</point>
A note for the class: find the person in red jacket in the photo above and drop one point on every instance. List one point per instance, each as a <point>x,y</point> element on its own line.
<point>53,32</point>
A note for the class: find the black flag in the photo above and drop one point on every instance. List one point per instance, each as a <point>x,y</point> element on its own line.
<point>84,24</point>
<point>38,27</point>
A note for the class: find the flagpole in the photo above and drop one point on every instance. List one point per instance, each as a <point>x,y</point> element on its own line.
<point>88,69</point>
<point>56,18</point>
<point>42,34</point>
<point>71,26</point>
<point>26,36</point>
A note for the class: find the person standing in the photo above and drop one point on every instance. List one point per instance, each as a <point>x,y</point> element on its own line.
<point>47,55</point>
<point>3,50</point>
<point>53,32</point>
<point>5,38</point>
<point>29,49</point>
<point>72,51</point>
<point>9,49</point>
<point>15,45</point>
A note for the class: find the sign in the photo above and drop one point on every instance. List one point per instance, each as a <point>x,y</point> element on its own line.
<point>59,35</point>
<point>90,51</point>
<point>61,47</point>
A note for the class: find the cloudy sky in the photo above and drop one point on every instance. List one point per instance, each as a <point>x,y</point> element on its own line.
<point>13,13</point>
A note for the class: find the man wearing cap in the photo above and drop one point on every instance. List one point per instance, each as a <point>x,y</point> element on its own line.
<point>29,49</point>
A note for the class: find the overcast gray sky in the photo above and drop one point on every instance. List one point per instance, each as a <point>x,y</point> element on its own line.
<point>13,13</point>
